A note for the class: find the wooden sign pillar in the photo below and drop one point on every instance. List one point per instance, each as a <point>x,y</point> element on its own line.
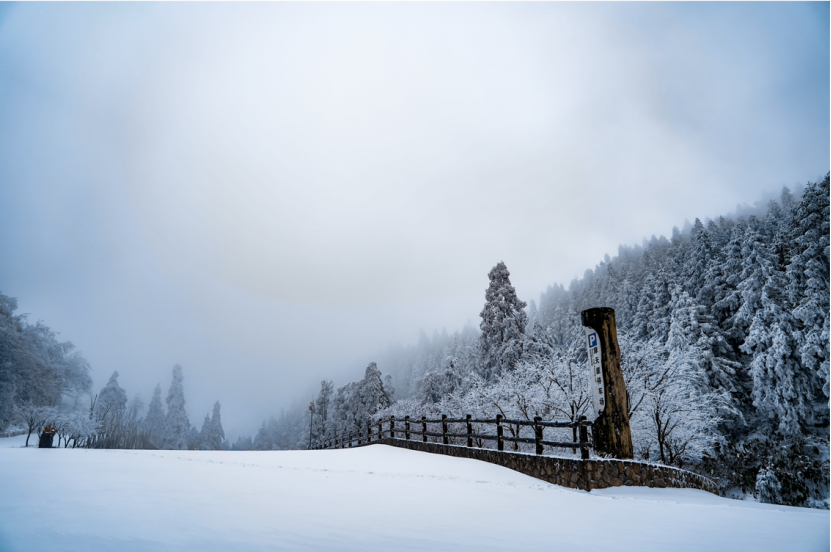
<point>611,428</point>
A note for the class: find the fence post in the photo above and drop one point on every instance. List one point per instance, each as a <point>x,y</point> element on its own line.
<point>538,434</point>
<point>516,443</point>
<point>584,439</point>
<point>469,432</point>
<point>424,429</point>
<point>392,427</point>
<point>407,427</point>
<point>500,445</point>
<point>444,429</point>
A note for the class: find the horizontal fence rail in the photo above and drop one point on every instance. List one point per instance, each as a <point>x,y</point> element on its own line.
<point>376,431</point>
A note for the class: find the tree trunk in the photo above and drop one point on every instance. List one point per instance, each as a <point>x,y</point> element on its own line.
<point>611,428</point>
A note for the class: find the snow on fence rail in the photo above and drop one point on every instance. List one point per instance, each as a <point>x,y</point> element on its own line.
<point>375,432</point>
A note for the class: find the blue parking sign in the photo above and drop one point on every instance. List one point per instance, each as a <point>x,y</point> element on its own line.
<point>596,373</point>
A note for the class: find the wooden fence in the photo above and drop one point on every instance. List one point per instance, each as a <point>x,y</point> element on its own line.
<point>375,432</point>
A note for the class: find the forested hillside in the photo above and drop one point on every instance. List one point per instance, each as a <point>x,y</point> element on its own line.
<point>724,332</point>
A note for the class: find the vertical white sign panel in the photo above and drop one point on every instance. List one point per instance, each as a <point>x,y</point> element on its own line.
<point>595,371</point>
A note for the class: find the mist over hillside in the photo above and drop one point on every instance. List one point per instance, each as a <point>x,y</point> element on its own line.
<point>735,311</point>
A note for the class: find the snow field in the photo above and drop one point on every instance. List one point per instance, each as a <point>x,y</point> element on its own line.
<point>371,498</point>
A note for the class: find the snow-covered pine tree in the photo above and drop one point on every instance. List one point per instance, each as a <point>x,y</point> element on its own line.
<point>373,395</point>
<point>700,258</point>
<point>212,434</point>
<point>203,434</point>
<point>321,414</point>
<point>658,323</point>
<point>808,278</point>
<point>135,408</point>
<point>154,420</point>
<point>782,389</point>
<point>756,268</point>
<point>533,314</point>
<point>503,324</point>
<point>640,327</point>
<point>692,325</point>
<point>538,343</point>
<point>176,423</point>
<point>768,487</point>
<point>725,278</point>
<point>112,398</point>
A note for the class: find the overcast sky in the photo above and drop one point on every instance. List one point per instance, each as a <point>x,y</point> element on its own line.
<point>269,194</point>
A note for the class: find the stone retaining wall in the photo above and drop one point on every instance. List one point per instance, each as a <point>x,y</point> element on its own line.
<point>571,472</point>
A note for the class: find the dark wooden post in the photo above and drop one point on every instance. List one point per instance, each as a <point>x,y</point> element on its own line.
<point>538,434</point>
<point>407,427</point>
<point>584,439</point>
<point>469,432</point>
<point>500,444</point>
<point>611,428</point>
<point>392,427</point>
<point>424,429</point>
<point>444,429</point>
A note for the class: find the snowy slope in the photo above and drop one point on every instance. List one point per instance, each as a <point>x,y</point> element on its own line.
<point>372,498</point>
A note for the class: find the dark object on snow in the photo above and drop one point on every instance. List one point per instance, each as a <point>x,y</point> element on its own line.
<point>46,437</point>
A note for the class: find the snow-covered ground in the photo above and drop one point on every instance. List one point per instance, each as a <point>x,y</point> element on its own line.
<point>372,498</point>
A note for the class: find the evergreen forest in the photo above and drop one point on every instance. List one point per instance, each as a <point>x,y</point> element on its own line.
<point>724,335</point>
